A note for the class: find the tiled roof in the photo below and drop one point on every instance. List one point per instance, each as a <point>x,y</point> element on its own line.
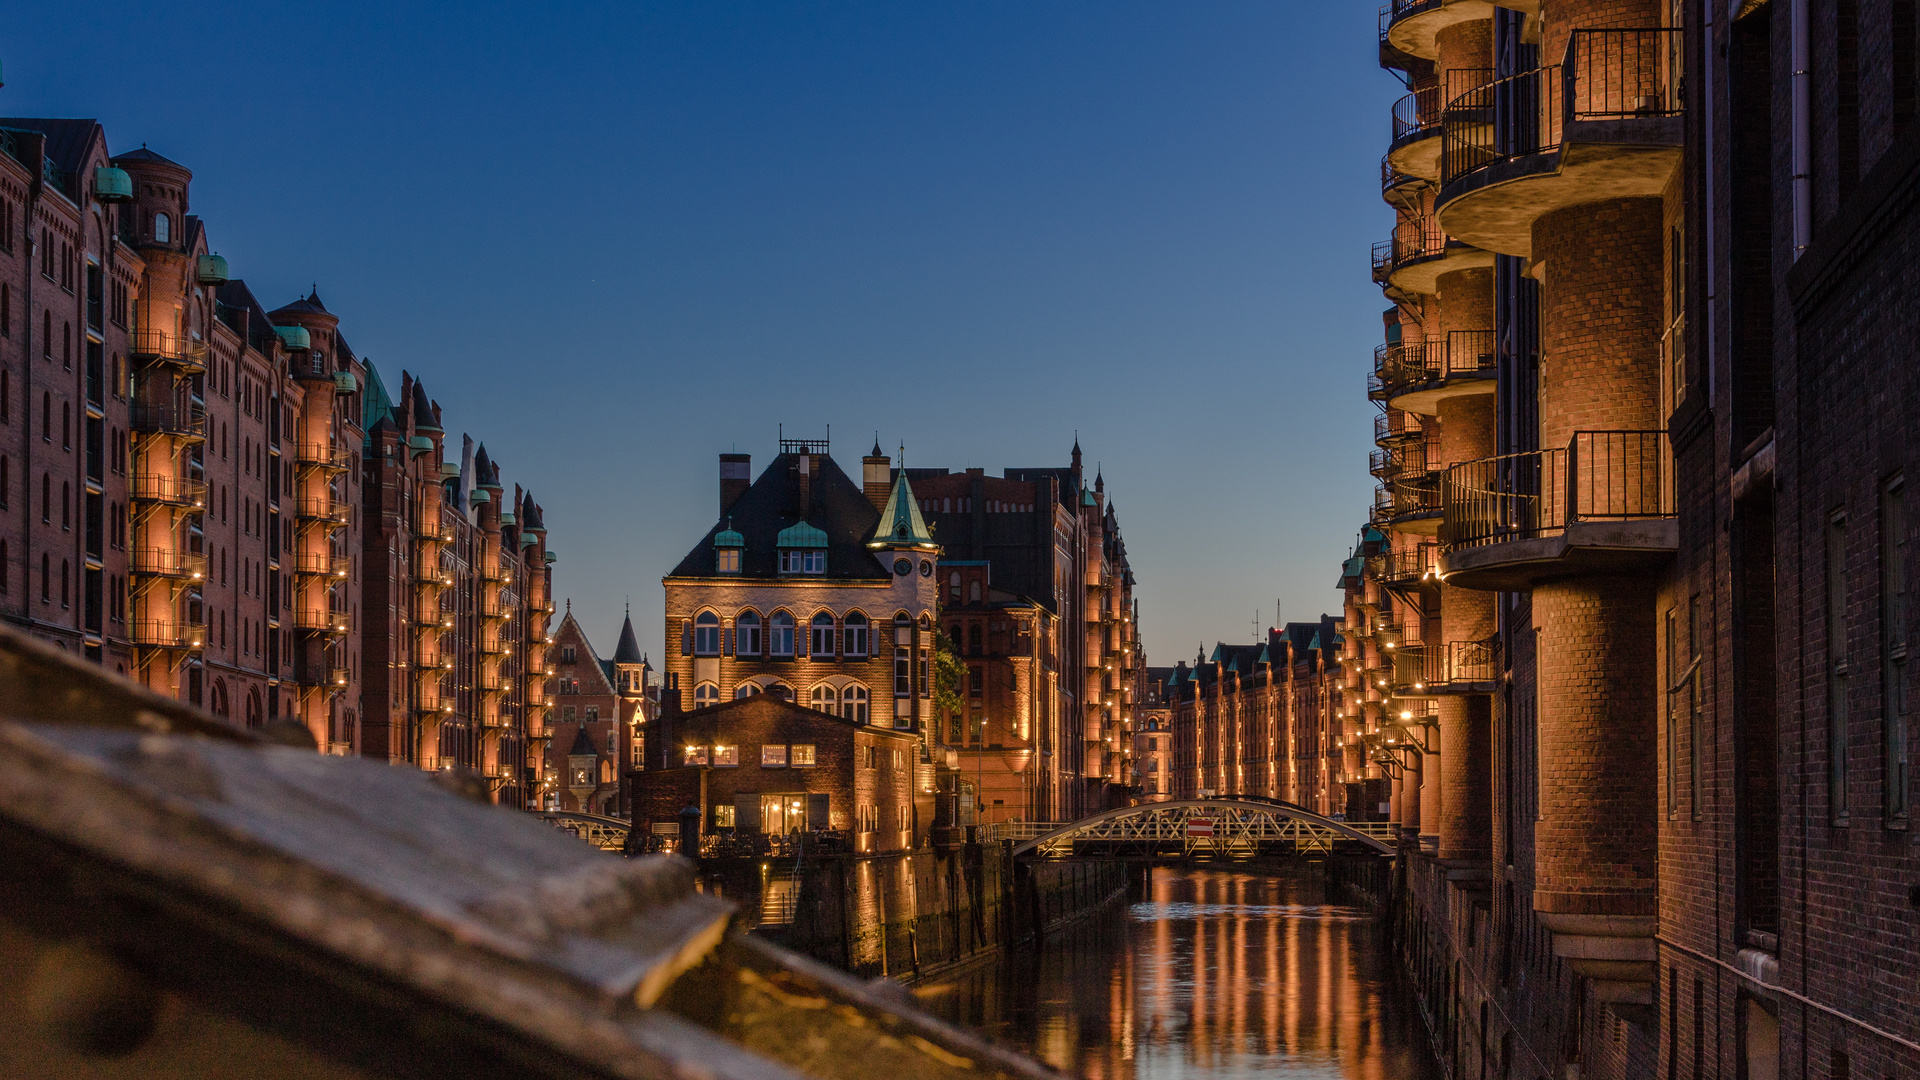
<point>838,509</point>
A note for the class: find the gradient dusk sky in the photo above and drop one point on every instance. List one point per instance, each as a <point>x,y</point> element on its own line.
<point>618,240</point>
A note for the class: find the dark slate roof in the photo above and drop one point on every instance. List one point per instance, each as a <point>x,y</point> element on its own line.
<point>484,474</point>
<point>66,139</point>
<point>142,154</point>
<point>423,409</point>
<point>582,743</point>
<point>606,668</point>
<point>628,651</point>
<point>839,509</point>
<point>530,516</point>
<point>310,305</point>
<point>235,295</point>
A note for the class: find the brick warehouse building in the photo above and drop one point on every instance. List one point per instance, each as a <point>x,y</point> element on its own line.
<point>187,480</point>
<point>1264,720</point>
<point>1642,538</point>
<point>763,764</point>
<point>1037,597</point>
<point>610,702</point>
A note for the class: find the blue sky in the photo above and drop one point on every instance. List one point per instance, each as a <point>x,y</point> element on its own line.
<point>618,240</point>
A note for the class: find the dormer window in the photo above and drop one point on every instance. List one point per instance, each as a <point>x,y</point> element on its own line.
<point>808,561</point>
<point>727,548</point>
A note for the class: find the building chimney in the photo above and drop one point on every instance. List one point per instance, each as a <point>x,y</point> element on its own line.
<point>806,485</point>
<point>736,475</point>
<point>876,477</point>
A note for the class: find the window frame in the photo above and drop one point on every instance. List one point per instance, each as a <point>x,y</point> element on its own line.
<point>706,634</point>
<point>773,755</point>
<point>797,751</point>
<point>820,635</point>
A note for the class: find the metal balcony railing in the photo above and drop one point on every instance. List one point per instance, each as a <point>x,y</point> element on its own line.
<point>1620,74</point>
<point>1414,239</point>
<point>1400,459</point>
<point>322,620</point>
<point>1408,565</point>
<point>323,509</point>
<point>1418,113</point>
<point>179,421</point>
<point>323,564</point>
<point>1394,425</point>
<point>169,490</point>
<point>1447,664</point>
<point>1393,181</point>
<point>176,349</point>
<point>432,529</point>
<point>167,634</point>
<point>1460,354</point>
<point>322,457</point>
<point>1597,476</point>
<point>159,562</point>
<point>1399,9</point>
<point>1413,493</point>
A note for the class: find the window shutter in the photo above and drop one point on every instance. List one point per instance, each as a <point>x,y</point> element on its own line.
<point>746,814</point>
<point>817,804</point>
<point>686,638</point>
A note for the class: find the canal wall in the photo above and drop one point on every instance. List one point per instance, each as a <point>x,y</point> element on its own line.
<point>910,916</point>
<point>1363,880</point>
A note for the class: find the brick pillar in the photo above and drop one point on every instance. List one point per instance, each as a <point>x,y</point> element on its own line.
<point>1431,800</point>
<point>1601,308</point>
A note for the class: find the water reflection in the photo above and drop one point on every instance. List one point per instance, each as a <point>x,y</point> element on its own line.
<point>1211,975</point>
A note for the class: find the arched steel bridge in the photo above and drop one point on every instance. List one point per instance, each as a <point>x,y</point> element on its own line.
<point>1232,828</point>
<point>606,833</point>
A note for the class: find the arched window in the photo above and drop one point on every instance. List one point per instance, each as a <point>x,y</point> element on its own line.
<point>162,228</point>
<point>706,634</point>
<point>820,640</point>
<point>826,699</point>
<point>853,703</point>
<point>953,586</point>
<point>857,644</point>
<point>748,625</point>
<point>973,640</point>
<point>780,690</point>
<point>956,636</point>
<point>253,707</point>
<point>705,694</point>
<point>782,634</point>
<point>219,701</point>
<point>746,690</point>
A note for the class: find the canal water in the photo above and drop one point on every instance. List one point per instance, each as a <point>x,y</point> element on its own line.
<point>1210,975</point>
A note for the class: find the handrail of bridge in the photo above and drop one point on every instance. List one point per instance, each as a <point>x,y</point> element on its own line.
<point>607,833</point>
<point>1087,827</point>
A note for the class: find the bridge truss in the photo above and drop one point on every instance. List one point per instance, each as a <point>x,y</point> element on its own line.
<point>605,833</point>
<point>1207,828</point>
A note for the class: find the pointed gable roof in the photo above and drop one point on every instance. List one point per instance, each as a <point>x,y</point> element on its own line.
<point>582,743</point>
<point>837,508</point>
<point>900,522</point>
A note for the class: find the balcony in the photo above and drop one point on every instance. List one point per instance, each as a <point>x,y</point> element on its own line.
<point>324,564</point>
<point>1419,253</point>
<point>1600,505</point>
<point>335,678</point>
<point>1411,28</point>
<point>429,614</point>
<point>322,621</point>
<point>187,422</point>
<point>1455,668</point>
<point>1394,426</point>
<point>174,634</point>
<point>1407,567</point>
<point>432,530</point>
<point>1604,123</point>
<point>1401,459</point>
<point>322,457</point>
<point>1416,378</point>
<point>162,563</point>
<point>327,510</point>
<point>494,645</point>
<point>184,353</point>
<point>499,573</point>
<point>490,684</point>
<point>492,607</point>
<point>1414,502</point>
<point>1417,123</point>
<point>167,490</point>
<point>1400,190</point>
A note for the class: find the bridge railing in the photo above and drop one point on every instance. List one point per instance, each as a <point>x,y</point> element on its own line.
<point>1020,830</point>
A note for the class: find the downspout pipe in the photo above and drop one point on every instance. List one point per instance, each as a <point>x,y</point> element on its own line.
<point>1802,84</point>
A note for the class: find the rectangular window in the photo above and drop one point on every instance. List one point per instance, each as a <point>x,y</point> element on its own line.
<point>593,711</point>
<point>820,639</point>
<point>802,754</point>
<point>902,674</point>
<point>926,685</point>
<point>696,755</point>
<point>723,815</point>
<point>726,755</point>
<point>815,562</point>
<point>773,756</point>
<point>975,682</point>
<point>872,754</point>
<point>856,638</point>
<point>1838,720</point>
<point>749,634</point>
<point>726,561</point>
<point>1893,648</point>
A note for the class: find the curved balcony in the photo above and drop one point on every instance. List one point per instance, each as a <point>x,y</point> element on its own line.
<point>1411,28</point>
<point>175,634</point>
<point>1419,253</point>
<point>161,563</point>
<point>1401,190</point>
<point>184,353</point>
<point>1414,503</point>
<point>1403,459</point>
<point>1394,426</point>
<point>1410,566</point>
<point>325,564</point>
<point>322,621</point>
<point>1605,123</point>
<point>185,422</point>
<point>324,458</point>
<point>1415,149</point>
<point>1600,505</point>
<point>1417,378</point>
<point>165,489</point>
<point>326,510</point>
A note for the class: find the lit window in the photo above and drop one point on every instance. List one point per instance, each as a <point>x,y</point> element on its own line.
<point>696,755</point>
<point>782,634</point>
<point>726,561</point>
<point>726,755</point>
<point>802,754</point>
<point>723,815</point>
<point>773,756</point>
<point>706,634</point>
<point>820,637</point>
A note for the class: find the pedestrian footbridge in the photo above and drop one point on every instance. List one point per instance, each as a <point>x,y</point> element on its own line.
<point>1230,828</point>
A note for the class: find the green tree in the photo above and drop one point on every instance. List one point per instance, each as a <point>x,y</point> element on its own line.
<point>948,673</point>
